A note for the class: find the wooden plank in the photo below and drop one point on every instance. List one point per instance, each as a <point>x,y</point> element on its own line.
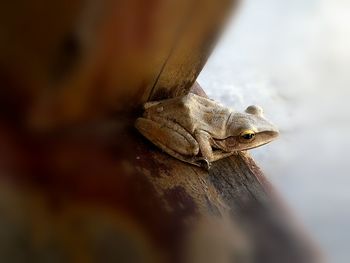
<point>105,187</point>
<point>80,64</point>
<point>193,47</point>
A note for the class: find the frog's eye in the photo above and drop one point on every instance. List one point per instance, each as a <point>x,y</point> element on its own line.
<point>247,135</point>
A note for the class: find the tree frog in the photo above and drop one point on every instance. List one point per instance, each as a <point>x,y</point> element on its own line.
<point>200,131</point>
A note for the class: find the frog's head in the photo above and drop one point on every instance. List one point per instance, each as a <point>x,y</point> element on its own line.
<point>247,130</point>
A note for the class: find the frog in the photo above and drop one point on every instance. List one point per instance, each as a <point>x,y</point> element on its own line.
<point>200,131</point>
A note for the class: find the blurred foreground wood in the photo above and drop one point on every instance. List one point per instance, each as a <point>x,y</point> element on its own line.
<point>78,183</point>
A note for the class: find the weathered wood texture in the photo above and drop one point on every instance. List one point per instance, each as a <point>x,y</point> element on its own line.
<point>82,60</point>
<point>78,183</point>
<point>103,193</point>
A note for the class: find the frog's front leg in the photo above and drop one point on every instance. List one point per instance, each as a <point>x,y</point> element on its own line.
<point>205,146</point>
<point>170,137</point>
<point>205,142</point>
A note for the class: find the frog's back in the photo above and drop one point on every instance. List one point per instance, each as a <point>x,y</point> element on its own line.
<point>193,112</point>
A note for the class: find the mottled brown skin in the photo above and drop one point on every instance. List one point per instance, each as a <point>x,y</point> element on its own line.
<point>199,131</point>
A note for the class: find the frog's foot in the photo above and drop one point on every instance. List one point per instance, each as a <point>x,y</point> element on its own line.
<point>203,162</point>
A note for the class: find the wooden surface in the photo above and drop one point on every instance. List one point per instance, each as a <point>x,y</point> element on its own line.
<point>103,193</point>
<point>78,183</point>
<point>69,62</point>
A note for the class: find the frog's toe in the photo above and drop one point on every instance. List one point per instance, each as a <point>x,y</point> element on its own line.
<point>204,163</point>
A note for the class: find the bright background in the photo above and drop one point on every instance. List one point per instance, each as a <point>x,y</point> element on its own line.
<point>292,57</point>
